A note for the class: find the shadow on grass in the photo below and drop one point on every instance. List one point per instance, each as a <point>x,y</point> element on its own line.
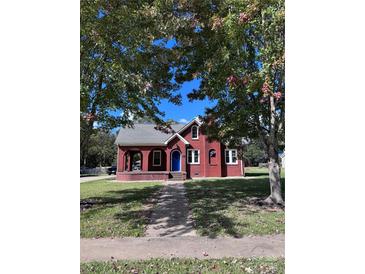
<point>210,199</point>
<point>129,200</point>
<point>256,174</point>
<point>125,196</point>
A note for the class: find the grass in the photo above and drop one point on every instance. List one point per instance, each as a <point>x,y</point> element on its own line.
<point>230,208</point>
<point>228,265</point>
<point>117,209</point>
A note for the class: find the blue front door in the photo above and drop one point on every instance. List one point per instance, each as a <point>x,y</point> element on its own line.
<point>175,161</point>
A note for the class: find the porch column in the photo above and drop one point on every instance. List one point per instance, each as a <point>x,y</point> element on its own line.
<point>168,159</point>
<point>183,159</point>
<point>129,154</point>
<point>120,164</point>
<point>144,166</point>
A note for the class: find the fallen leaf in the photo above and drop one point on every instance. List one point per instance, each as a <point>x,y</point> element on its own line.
<point>248,270</point>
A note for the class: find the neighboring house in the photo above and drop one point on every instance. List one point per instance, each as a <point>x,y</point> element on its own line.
<point>145,153</point>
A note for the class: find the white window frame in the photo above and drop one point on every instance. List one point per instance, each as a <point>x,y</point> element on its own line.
<point>197,132</point>
<point>230,157</point>
<point>153,157</point>
<point>192,157</point>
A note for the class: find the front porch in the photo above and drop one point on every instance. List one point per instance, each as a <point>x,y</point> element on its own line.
<point>156,163</point>
<point>150,176</point>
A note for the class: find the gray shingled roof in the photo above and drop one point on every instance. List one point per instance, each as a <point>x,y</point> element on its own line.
<point>144,134</point>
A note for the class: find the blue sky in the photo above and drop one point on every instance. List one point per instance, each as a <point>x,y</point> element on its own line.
<point>188,110</point>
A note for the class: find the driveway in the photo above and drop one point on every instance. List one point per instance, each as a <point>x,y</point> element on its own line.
<point>96,178</point>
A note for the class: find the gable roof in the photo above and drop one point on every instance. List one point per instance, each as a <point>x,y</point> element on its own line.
<point>144,135</point>
<point>178,136</point>
<point>195,120</point>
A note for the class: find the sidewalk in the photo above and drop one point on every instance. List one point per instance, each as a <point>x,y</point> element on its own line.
<point>96,178</point>
<point>104,249</point>
<point>170,217</point>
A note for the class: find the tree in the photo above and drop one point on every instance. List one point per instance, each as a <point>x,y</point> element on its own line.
<point>125,66</point>
<point>255,153</point>
<point>101,150</point>
<point>236,48</point>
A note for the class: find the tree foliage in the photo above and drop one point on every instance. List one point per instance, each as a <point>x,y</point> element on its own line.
<point>255,153</point>
<point>124,63</point>
<point>101,150</point>
<point>125,66</point>
<point>236,48</point>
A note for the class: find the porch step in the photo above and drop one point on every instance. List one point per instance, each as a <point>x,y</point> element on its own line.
<point>177,176</point>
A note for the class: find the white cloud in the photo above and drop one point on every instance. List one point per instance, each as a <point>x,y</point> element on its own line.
<point>183,121</point>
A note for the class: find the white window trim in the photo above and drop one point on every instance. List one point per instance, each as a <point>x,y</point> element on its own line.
<point>192,157</point>
<point>197,132</point>
<point>230,157</point>
<point>153,157</point>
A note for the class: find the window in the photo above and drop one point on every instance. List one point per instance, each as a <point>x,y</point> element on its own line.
<point>231,156</point>
<point>156,158</point>
<point>193,156</point>
<point>212,157</point>
<point>194,132</point>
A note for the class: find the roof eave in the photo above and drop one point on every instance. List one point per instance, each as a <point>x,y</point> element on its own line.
<point>196,120</point>
<point>136,144</point>
<point>178,136</point>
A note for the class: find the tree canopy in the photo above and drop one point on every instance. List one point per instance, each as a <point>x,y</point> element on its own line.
<point>125,67</point>
<point>100,150</point>
<point>236,48</point>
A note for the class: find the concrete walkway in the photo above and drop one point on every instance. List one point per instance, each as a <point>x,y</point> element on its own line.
<point>104,249</point>
<point>96,178</point>
<point>171,216</point>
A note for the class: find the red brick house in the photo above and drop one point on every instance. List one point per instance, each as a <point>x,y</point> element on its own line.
<point>145,153</point>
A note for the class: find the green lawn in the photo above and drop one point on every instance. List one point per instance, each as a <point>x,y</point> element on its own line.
<point>117,209</point>
<point>230,208</point>
<point>228,265</point>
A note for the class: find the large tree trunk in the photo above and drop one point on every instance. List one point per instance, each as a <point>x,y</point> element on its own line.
<point>275,184</point>
<point>274,169</point>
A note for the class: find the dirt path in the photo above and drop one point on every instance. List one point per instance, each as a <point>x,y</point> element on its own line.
<point>183,247</point>
<point>171,217</point>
